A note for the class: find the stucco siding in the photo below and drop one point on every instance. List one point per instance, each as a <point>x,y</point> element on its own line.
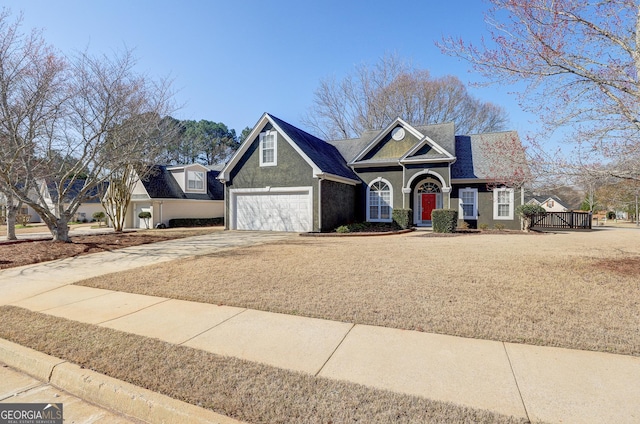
<point>393,175</point>
<point>338,204</point>
<point>486,208</point>
<point>443,171</point>
<point>291,169</point>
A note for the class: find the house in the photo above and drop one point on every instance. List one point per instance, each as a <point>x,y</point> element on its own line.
<point>89,205</point>
<point>24,210</point>
<point>549,203</point>
<point>182,191</point>
<point>47,191</point>
<point>285,179</point>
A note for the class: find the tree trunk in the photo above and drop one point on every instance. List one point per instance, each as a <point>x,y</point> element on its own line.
<point>526,224</point>
<point>60,230</point>
<point>12,211</point>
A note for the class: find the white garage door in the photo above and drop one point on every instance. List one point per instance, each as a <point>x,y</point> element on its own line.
<point>273,211</point>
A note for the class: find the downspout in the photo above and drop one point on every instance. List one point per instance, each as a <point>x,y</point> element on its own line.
<point>450,184</point>
<point>320,204</point>
<point>404,181</point>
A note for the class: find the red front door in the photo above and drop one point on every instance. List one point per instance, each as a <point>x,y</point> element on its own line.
<point>428,201</point>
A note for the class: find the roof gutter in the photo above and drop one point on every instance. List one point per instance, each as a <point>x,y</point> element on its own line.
<point>336,178</point>
<point>409,161</point>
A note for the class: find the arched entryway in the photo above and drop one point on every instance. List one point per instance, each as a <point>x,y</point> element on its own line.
<point>427,197</point>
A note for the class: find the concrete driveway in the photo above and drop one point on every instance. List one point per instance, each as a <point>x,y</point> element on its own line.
<point>19,283</point>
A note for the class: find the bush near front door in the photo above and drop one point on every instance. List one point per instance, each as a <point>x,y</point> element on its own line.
<point>444,220</point>
<point>402,217</point>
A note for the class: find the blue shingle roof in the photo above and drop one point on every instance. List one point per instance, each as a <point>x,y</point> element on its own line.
<point>463,166</point>
<point>324,155</point>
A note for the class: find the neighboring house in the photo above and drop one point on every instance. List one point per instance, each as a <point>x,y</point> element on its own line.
<point>49,193</point>
<point>183,191</point>
<point>284,179</point>
<point>549,203</point>
<point>89,205</point>
<point>24,210</point>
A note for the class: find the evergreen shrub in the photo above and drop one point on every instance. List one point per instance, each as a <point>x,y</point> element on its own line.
<point>444,220</point>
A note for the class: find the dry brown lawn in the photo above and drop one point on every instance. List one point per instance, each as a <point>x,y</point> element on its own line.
<point>14,254</point>
<point>244,390</point>
<point>576,290</point>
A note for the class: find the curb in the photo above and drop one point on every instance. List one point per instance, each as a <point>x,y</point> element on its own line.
<point>104,391</point>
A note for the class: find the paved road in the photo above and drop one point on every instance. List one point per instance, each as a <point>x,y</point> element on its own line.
<point>18,387</point>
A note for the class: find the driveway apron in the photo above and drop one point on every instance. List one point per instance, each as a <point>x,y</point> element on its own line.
<point>27,281</point>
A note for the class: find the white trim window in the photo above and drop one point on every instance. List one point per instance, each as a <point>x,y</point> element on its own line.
<point>503,203</point>
<point>268,148</point>
<point>468,203</point>
<point>195,181</point>
<point>379,201</point>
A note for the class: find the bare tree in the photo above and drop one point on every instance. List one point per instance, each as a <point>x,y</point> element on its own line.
<point>580,62</point>
<point>591,183</point>
<point>123,179</point>
<point>32,94</point>
<point>11,209</point>
<point>63,120</point>
<point>373,96</point>
<point>117,196</point>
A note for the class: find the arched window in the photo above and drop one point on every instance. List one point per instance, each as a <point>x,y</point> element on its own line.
<point>429,187</point>
<point>379,202</point>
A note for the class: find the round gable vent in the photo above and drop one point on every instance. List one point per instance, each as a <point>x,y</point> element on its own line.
<point>397,134</point>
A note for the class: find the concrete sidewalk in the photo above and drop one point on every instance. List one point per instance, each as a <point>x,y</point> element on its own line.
<point>542,384</point>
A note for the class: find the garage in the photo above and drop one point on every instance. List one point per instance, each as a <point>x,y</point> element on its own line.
<point>273,210</point>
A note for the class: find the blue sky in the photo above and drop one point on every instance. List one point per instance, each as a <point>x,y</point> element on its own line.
<point>233,60</point>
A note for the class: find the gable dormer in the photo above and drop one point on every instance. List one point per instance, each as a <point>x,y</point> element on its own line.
<point>190,178</point>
